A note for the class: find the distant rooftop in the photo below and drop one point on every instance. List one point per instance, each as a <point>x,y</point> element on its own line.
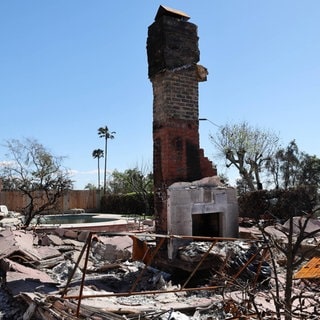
<point>166,11</point>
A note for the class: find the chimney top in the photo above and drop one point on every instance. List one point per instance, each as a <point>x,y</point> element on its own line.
<point>166,11</point>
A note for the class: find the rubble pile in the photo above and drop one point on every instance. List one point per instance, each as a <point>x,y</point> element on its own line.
<point>69,274</point>
<point>37,269</point>
<point>230,257</point>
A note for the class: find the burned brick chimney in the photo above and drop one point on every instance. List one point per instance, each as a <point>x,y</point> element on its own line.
<point>173,54</point>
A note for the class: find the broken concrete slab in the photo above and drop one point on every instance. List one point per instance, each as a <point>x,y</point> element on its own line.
<point>312,225</point>
<point>23,272</point>
<point>48,252</point>
<point>10,222</point>
<point>120,242</point>
<point>48,239</point>
<point>112,249</point>
<point>75,243</point>
<point>25,279</point>
<point>7,242</point>
<point>71,234</point>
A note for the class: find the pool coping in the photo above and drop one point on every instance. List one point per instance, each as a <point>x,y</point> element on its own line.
<point>120,223</point>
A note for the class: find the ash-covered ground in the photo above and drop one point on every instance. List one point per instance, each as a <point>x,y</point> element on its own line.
<point>39,266</point>
<point>10,308</point>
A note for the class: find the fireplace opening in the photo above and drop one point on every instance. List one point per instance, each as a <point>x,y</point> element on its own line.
<point>207,224</point>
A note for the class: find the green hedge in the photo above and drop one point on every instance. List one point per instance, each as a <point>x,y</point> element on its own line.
<point>126,204</point>
<point>279,204</point>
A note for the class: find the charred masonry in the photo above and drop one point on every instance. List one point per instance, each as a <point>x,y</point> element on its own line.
<point>173,54</point>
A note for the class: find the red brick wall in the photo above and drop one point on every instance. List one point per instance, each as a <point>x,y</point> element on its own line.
<point>207,168</point>
<point>176,153</point>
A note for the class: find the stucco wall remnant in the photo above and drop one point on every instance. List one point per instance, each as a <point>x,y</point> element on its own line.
<point>201,208</point>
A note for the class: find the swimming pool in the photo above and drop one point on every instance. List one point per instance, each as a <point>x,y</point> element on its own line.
<point>73,218</point>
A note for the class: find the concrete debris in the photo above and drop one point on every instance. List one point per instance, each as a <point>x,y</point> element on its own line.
<point>3,211</point>
<point>42,278</point>
<point>112,249</point>
<point>237,257</point>
<point>62,271</point>
<point>195,250</point>
<point>312,225</point>
<point>10,223</point>
<point>10,219</point>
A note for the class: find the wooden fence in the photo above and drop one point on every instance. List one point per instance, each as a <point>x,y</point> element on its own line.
<point>82,199</point>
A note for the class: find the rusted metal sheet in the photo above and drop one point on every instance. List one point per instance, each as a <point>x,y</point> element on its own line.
<point>309,271</point>
<point>140,250</point>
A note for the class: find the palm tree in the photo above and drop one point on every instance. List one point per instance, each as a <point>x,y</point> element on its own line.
<point>104,132</point>
<point>97,154</point>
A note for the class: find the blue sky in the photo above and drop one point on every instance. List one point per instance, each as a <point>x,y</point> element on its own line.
<point>70,67</point>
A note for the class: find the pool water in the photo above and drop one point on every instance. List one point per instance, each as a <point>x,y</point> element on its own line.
<point>72,218</point>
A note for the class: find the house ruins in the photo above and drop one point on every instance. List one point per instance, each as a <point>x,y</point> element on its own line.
<point>107,273</point>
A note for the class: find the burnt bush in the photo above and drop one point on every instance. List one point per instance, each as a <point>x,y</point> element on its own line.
<point>280,204</point>
<point>130,203</point>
